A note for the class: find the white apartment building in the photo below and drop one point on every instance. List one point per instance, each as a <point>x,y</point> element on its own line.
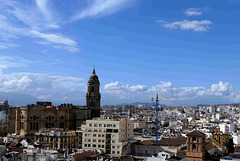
<point>111,135</point>
<point>236,138</point>
<point>227,127</point>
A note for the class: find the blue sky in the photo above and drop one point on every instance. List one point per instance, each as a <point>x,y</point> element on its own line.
<point>187,50</point>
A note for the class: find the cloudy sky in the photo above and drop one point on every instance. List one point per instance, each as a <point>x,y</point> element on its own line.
<point>182,49</point>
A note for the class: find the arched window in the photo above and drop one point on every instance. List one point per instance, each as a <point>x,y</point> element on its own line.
<point>37,126</point>
<point>194,147</point>
<point>194,139</point>
<point>34,127</point>
<point>30,125</point>
<point>92,89</point>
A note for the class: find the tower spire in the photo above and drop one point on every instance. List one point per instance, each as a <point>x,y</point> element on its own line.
<point>93,69</point>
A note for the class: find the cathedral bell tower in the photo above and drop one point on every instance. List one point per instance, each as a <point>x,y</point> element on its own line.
<point>93,95</point>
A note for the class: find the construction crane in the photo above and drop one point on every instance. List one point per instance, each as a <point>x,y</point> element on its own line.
<point>157,109</point>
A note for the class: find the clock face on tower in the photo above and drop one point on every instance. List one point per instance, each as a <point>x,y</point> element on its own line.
<point>93,95</point>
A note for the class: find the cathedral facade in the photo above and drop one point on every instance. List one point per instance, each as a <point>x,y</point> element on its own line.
<point>31,118</point>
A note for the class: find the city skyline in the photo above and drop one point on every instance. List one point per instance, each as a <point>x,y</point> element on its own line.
<point>187,51</point>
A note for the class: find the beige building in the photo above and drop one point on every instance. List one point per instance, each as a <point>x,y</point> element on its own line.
<point>58,139</point>
<point>111,135</point>
<point>30,119</point>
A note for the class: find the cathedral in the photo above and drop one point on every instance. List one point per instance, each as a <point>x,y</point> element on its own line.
<point>29,119</point>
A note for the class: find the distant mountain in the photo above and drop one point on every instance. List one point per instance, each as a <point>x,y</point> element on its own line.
<point>140,103</point>
<point>17,99</point>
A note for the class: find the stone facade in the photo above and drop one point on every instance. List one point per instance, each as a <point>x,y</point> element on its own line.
<point>28,120</point>
<point>195,146</point>
<point>93,95</point>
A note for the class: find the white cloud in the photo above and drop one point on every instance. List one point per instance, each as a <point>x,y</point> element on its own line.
<point>102,7</point>
<point>222,91</point>
<point>72,89</point>
<point>56,39</point>
<point>42,5</point>
<point>18,20</point>
<point>7,62</point>
<point>195,25</point>
<point>195,11</point>
<point>5,45</point>
<point>43,86</point>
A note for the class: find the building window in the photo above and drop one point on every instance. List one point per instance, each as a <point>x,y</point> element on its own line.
<point>92,89</point>
<point>194,139</point>
<point>194,147</point>
<point>37,126</point>
<point>61,124</point>
<point>22,125</point>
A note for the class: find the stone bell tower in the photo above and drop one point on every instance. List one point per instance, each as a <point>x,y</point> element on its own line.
<point>93,95</point>
<point>195,146</point>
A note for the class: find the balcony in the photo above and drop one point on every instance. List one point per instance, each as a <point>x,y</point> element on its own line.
<point>195,154</point>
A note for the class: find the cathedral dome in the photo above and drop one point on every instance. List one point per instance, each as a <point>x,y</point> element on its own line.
<point>93,77</point>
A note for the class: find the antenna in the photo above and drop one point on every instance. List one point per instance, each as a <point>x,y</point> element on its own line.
<point>157,109</point>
